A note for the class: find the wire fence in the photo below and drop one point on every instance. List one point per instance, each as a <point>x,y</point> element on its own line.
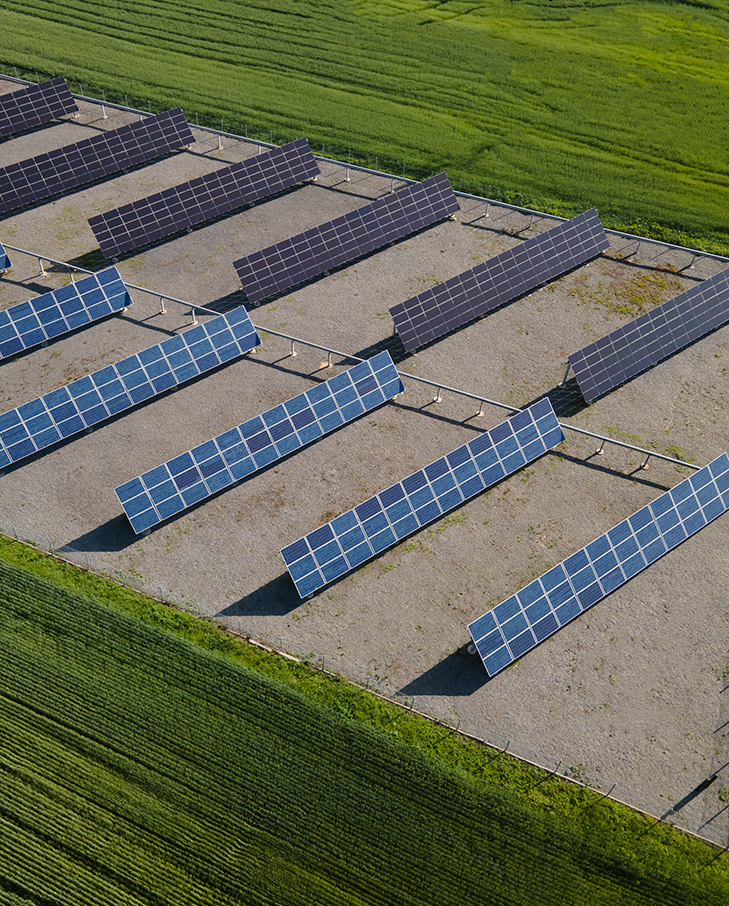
<point>382,164</point>
<point>572,771</point>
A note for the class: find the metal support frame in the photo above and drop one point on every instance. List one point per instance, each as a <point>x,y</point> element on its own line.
<point>481,400</point>
<point>376,172</point>
<point>564,379</point>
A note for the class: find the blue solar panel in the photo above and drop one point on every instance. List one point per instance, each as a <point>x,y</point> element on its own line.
<point>96,397</point>
<point>293,261</point>
<point>365,531</point>
<point>34,106</point>
<point>61,311</point>
<point>652,337</point>
<point>172,487</point>
<point>4,260</point>
<point>442,308</point>
<point>543,607</point>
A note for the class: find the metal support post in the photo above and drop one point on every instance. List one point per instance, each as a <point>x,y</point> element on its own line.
<point>599,450</point>
<point>564,379</point>
<point>293,348</point>
<point>645,464</point>
<point>329,360</point>
<point>220,142</point>
<point>42,272</point>
<point>162,309</point>
<point>531,221</point>
<point>436,398</point>
<point>194,318</point>
<point>480,410</point>
<point>486,212</point>
<point>392,185</point>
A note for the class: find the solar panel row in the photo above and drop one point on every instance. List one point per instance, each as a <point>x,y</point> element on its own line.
<point>546,605</point>
<point>62,310</point>
<point>4,260</point>
<point>652,337</point>
<point>96,397</point>
<point>519,270</point>
<point>185,480</point>
<point>385,519</point>
<point>217,193</point>
<point>35,105</point>
<point>293,261</point>
<point>101,155</point>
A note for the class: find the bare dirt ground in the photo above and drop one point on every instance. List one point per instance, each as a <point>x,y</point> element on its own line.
<point>635,693</point>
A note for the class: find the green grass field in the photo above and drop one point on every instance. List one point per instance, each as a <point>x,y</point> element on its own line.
<point>147,758</point>
<point>619,104</point>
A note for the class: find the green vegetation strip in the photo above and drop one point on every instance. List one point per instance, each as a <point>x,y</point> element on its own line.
<point>555,104</point>
<point>146,757</point>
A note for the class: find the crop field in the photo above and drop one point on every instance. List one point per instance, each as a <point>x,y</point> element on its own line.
<point>563,105</point>
<point>138,767</point>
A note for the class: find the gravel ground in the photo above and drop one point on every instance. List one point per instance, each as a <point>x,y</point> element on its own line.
<point>635,694</point>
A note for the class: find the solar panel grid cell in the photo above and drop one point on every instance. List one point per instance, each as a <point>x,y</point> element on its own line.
<point>237,453</point>
<point>546,605</point>
<point>29,323</point>
<point>347,541</point>
<point>461,299</point>
<point>34,106</point>
<point>103,155</point>
<point>267,272</point>
<point>204,198</point>
<point>652,337</point>
<point>91,399</point>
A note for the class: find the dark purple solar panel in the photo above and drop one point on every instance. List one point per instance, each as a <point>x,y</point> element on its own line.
<point>204,198</point>
<point>100,155</point>
<point>652,337</point>
<point>519,270</point>
<point>35,105</point>
<point>279,267</point>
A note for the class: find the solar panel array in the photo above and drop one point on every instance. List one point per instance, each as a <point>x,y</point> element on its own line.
<point>546,605</point>
<point>101,155</point>
<point>29,323</point>
<point>4,260</point>
<point>385,519</point>
<point>92,399</point>
<point>519,270</point>
<point>293,261</point>
<point>35,105</point>
<point>176,209</point>
<point>652,337</point>
<point>185,480</point>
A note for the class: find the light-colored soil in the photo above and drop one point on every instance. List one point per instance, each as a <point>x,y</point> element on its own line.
<point>635,693</point>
